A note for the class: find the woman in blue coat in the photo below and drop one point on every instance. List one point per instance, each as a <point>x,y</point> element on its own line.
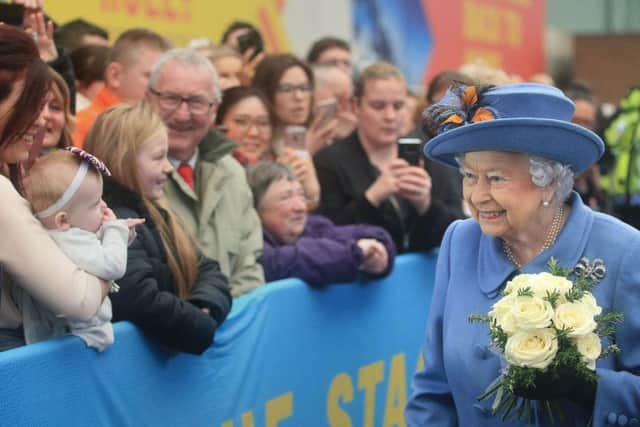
<point>518,152</point>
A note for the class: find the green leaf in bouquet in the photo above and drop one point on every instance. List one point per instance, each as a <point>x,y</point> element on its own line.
<point>556,269</point>
<point>609,350</point>
<point>553,297</point>
<point>498,336</point>
<point>525,292</point>
<point>607,324</point>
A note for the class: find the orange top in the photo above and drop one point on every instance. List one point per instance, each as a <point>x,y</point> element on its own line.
<point>85,118</point>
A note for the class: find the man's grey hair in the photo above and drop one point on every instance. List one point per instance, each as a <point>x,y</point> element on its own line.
<point>189,57</point>
<point>545,172</point>
<point>261,175</point>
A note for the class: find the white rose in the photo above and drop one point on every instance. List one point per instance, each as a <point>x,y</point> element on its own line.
<point>533,349</point>
<point>521,281</point>
<point>590,348</point>
<point>541,284</point>
<point>531,312</point>
<point>545,283</point>
<point>502,315</point>
<point>575,315</point>
<point>589,300</point>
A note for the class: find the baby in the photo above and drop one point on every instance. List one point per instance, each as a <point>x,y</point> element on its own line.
<point>65,192</point>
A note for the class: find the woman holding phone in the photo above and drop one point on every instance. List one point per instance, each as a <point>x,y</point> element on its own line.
<point>363,178</point>
<point>247,119</point>
<point>287,83</point>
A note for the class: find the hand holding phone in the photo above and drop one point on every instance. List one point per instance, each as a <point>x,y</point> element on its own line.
<point>294,138</point>
<point>250,40</point>
<point>409,150</point>
<point>325,111</point>
<point>12,14</point>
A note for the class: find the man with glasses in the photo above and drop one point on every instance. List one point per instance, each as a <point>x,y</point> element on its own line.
<point>208,188</point>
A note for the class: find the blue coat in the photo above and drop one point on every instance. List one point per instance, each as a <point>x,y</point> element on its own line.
<point>472,270</point>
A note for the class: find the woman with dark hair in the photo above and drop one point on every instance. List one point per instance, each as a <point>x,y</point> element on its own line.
<point>288,84</point>
<point>28,256</point>
<point>247,118</point>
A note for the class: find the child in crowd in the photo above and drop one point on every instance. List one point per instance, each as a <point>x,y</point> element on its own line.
<point>171,290</point>
<point>65,192</point>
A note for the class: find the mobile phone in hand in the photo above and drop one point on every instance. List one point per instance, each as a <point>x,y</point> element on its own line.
<point>326,110</point>
<point>294,138</point>
<point>409,149</point>
<point>12,14</point>
<point>250,39</point>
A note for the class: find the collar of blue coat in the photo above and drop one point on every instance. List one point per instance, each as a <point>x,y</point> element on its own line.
<point>494,268</point>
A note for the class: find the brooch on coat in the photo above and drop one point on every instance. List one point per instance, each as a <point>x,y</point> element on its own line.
<point>593,270</point>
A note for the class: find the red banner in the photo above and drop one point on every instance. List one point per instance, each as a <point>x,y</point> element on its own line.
<point>507,34</point>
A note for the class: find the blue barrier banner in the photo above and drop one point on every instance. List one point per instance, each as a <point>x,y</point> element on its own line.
<point>288,355</point>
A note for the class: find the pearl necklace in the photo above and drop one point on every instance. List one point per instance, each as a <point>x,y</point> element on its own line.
<point>548,241</point>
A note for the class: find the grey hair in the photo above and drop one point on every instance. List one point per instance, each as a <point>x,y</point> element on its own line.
<point>545,172</point>
<point>188,57</point>
<point>261,175</point>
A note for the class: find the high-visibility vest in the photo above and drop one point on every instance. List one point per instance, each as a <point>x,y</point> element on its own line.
<point>622,137</point>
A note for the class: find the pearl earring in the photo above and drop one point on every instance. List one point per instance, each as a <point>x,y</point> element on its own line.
<point>545,204</point>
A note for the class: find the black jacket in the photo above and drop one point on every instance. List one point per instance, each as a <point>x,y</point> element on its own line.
<point>345,174</point>
<point>147,295</point>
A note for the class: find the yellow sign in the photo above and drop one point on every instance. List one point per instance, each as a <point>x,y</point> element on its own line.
<point>178,20</point>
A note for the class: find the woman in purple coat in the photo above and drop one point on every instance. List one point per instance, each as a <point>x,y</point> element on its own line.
<point>311,247</point>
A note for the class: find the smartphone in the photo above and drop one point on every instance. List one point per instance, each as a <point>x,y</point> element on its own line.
<point>294,138</point>
<point>12,14</point>
<point>409,149</point>
<point>326,110</point>
<point>250,39</point>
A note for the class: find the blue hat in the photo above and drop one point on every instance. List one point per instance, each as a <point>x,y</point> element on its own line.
<point>526,118</point>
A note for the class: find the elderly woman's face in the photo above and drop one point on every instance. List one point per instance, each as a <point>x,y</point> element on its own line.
<point>283,210</point>
<point>499,192</point>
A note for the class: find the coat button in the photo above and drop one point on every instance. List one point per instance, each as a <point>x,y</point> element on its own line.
<point>481,351</point>
<point>483,411</point>
<point>612,418</point>
<point>623,420</point>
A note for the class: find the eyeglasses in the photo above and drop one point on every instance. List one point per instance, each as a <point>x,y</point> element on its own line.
<point>197,105</point>
<point>244,123</point>
<point>287,88</point>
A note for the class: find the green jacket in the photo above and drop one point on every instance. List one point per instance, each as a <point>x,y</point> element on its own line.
<point>220,212</point>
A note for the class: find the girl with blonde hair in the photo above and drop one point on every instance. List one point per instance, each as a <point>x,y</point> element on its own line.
<point>170,290</point>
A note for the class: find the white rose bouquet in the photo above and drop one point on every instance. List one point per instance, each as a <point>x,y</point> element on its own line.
<point>548,330</point>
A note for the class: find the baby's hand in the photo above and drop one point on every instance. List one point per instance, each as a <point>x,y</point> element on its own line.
<point>108,215</point>
<point>133,222</point>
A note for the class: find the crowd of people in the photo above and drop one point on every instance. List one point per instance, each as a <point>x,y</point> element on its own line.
<point>154,184</point>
